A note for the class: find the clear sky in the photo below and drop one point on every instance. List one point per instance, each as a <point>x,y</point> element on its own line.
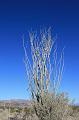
<point>17,17</point>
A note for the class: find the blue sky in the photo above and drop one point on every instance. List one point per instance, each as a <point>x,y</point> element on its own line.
<point>17,17</point>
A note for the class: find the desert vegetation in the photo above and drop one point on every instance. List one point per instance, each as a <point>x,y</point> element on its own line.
<point>25,111</point>
<point>44,76</point>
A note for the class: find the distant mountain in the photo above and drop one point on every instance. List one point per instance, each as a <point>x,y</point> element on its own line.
<point>15,103</point>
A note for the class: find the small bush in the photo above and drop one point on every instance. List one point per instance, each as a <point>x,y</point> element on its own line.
<point>52,107</point>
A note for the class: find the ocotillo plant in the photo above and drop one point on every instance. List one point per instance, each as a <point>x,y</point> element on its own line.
<point>41,74</point>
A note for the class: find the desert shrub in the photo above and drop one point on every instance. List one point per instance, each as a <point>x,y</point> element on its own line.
<point>75,108</point>
<point>12,109</point>
<point>28,111</point>
<point>52,107</point>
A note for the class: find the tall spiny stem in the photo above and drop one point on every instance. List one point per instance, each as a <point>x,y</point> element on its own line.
<point>42,72</point>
